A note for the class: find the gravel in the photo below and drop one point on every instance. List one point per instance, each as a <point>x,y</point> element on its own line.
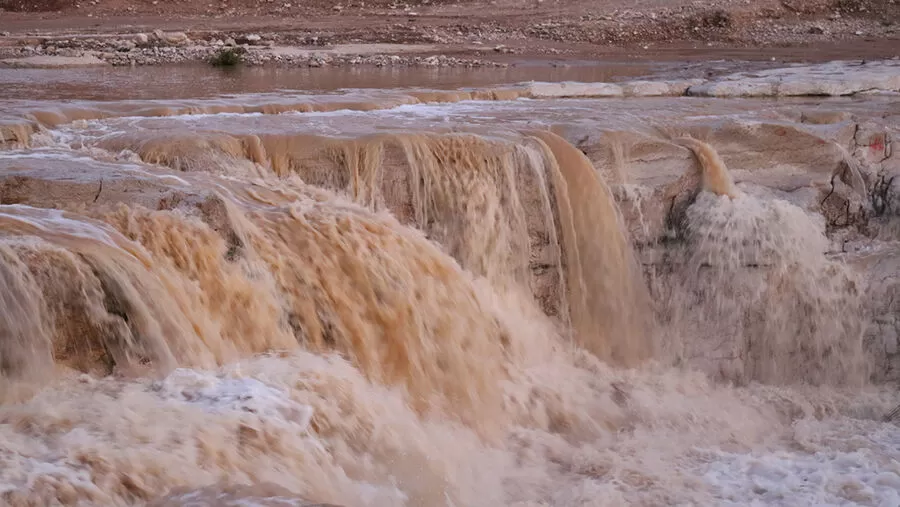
<point>161,48</point>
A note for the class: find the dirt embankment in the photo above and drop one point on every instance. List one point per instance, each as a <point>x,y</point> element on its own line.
<point>528,28</point>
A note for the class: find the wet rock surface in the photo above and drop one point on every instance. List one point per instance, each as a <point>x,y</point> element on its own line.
<point>836,79</point>
<point>842,169</point>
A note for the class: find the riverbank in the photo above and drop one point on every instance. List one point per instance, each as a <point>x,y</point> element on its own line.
<point>442,34</point>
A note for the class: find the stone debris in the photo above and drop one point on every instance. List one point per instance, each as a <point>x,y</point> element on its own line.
<point>744,22</point>
<point>161,48</point>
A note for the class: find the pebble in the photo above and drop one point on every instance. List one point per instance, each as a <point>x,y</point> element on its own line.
<point>162,48</point>
<point>643,29</point>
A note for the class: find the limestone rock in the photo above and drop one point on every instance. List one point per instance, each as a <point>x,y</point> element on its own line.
<point>44,61</point>
<point>646,88</point>
<point>734,88</point>
<point>572,89</point>
<point>830,79</point>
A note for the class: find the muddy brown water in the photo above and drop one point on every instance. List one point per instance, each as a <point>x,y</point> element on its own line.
<point>369,287</point>
<point>192,81</point>
<point>200,80</point>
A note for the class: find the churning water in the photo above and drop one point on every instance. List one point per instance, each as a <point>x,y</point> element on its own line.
<point>441,298</point>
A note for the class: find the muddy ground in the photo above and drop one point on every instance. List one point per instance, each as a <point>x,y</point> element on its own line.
<point>497,30</point>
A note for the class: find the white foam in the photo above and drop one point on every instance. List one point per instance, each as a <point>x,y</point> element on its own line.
<point>848,462</point>
<point>219,393</point>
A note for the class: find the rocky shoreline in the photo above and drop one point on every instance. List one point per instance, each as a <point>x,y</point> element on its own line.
<point>163,48</point>
<point>430,33</point>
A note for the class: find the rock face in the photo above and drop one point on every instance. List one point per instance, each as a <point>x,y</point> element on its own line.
<point>838,166</point>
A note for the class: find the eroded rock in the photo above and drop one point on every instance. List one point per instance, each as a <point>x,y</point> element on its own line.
<point>831,79</point>
<point>571,89</point>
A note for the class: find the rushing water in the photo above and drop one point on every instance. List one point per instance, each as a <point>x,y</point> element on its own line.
<point>443,298</point>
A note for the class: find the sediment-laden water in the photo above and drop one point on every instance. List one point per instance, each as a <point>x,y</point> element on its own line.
<point>472,297</point>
